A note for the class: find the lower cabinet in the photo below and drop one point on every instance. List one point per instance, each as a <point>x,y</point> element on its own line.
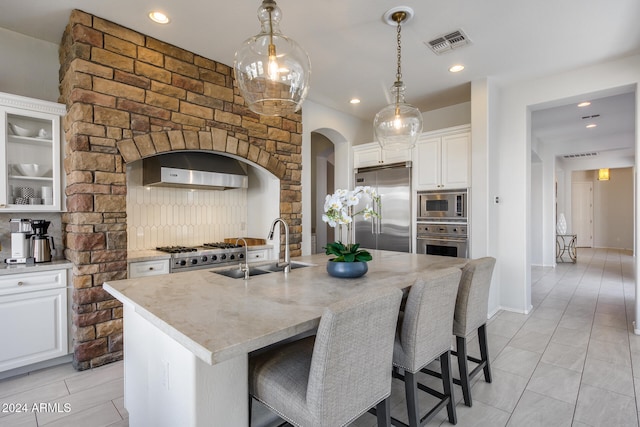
<point>33,315</point>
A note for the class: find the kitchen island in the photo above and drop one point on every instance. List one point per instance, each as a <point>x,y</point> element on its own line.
<point>187,336</point>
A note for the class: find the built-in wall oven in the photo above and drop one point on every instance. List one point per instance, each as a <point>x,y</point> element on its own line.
<point>441,227</point>
<point>442,239</point>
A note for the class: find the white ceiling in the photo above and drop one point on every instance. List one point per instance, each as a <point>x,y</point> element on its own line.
<point>612,141</point>
<point>353,53</point>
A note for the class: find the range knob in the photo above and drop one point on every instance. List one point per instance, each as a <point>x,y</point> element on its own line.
<point>204,258</point>
<point>240,256</point>
<point>223,256</point>
<point>232,256</point>
<point>183,262</point>
<point>214,257</point>
<point>194,261</point>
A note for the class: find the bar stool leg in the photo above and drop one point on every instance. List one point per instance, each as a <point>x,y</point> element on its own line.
<point>484,352</point>
<point>383,413</point>
<point>461,351</point>
<point>447,385</point>
<point>411,393</point>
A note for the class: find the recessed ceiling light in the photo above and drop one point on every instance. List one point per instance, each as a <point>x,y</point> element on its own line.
<point>456,68</point>
<point>584,104</point>
<point>591,125</point>
<point>354,101</point>
<point>158,17</point>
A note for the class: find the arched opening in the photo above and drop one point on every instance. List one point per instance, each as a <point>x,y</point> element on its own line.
<point>167,216</point>
<point>322,183</point>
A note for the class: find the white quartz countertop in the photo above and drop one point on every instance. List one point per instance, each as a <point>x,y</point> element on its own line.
<point>218,318</point>
<point>34,268</point>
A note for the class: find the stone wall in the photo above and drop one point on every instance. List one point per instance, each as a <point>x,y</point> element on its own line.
<point>130,96</point>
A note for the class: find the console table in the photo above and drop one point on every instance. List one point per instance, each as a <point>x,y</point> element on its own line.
<point>566,245</point>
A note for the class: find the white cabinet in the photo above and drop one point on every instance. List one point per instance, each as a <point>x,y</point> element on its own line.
<point>30,139</point>
<point>441,160</point>
<point>33,315</point>
<point>148,268</point>
<point>372,154</point>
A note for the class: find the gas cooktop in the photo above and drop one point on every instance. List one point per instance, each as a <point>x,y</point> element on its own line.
<point>176,249</point>
<point>184,258</point>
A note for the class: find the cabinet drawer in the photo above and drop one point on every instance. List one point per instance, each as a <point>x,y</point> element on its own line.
<point>28,282</point>
<point>148,268</point>
<point>257,255</point>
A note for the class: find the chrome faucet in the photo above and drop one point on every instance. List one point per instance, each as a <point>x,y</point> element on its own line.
<point>287,258</point>
<point>244,268</point>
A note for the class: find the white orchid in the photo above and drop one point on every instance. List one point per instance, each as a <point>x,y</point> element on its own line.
<point>339,206</point>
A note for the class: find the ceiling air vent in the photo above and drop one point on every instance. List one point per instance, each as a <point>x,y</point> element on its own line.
<point>579,155</point>
<point>448,42</point>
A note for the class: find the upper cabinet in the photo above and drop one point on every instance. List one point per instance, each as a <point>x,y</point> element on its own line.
<point>30,139</point>
<point>372,154</point>
<point>441,159</point>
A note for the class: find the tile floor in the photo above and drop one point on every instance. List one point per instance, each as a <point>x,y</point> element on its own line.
<point>572,361</point>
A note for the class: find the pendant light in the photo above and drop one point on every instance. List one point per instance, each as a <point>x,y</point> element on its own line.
<point>398,125</point>
<point>271,69</point>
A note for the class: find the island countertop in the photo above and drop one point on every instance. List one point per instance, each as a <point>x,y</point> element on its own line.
<point>218,318</point>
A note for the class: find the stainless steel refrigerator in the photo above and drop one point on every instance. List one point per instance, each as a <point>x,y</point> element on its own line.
<point>392,231</point>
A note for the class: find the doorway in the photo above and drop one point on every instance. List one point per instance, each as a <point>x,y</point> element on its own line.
<point>322,183</point>
<point>582,213</point>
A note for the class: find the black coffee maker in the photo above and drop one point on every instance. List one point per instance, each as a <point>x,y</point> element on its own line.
<point>41,244</point>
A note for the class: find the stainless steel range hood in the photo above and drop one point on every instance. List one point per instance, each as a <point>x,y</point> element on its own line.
<point>195,170</point>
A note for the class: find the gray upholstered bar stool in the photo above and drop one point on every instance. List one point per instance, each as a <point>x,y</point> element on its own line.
<point>425,335</point>
<point>333,378</point>
<point>471,315</point>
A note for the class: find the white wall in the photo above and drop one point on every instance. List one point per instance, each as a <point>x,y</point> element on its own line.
<point>29,67</point>
<point>454,115</point>
<point>513,146</point>
<point>565,168</point>
<point>536,212</point>
<point>613,210</point>
<point>612,207</point>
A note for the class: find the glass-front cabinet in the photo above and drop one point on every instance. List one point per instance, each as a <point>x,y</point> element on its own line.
<point>30,140</point>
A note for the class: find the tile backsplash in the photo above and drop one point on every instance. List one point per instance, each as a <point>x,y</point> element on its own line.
<point>161,216</point>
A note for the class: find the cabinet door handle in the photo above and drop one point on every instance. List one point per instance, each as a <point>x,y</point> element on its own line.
<point>20,283</point>
<point>150,268</point>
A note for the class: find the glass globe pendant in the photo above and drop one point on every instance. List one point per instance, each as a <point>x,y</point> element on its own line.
<point>398,125</point>
<point>271,69</point>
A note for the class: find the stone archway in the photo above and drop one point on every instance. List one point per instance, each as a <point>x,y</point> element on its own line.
<point>216,140</point>
<point>131,96</point>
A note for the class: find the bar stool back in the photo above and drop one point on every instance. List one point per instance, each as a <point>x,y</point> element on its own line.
<point>425,335</point>
<point>333,378</point>
<point>471,315</point>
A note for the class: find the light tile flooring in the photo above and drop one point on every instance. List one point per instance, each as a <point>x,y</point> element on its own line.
<point>572,361</point>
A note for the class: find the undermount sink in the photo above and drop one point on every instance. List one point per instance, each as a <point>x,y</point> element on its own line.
<point>275,267</point>
<point>236,273</point>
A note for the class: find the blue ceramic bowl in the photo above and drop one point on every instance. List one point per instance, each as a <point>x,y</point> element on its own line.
<point>347,269</point>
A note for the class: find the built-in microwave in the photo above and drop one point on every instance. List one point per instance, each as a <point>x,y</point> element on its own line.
<point>451,205</point>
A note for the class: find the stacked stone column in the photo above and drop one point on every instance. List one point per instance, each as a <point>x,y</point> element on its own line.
<point>131,96</point>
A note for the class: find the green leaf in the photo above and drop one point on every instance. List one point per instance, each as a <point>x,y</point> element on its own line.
<point>349,253</point>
